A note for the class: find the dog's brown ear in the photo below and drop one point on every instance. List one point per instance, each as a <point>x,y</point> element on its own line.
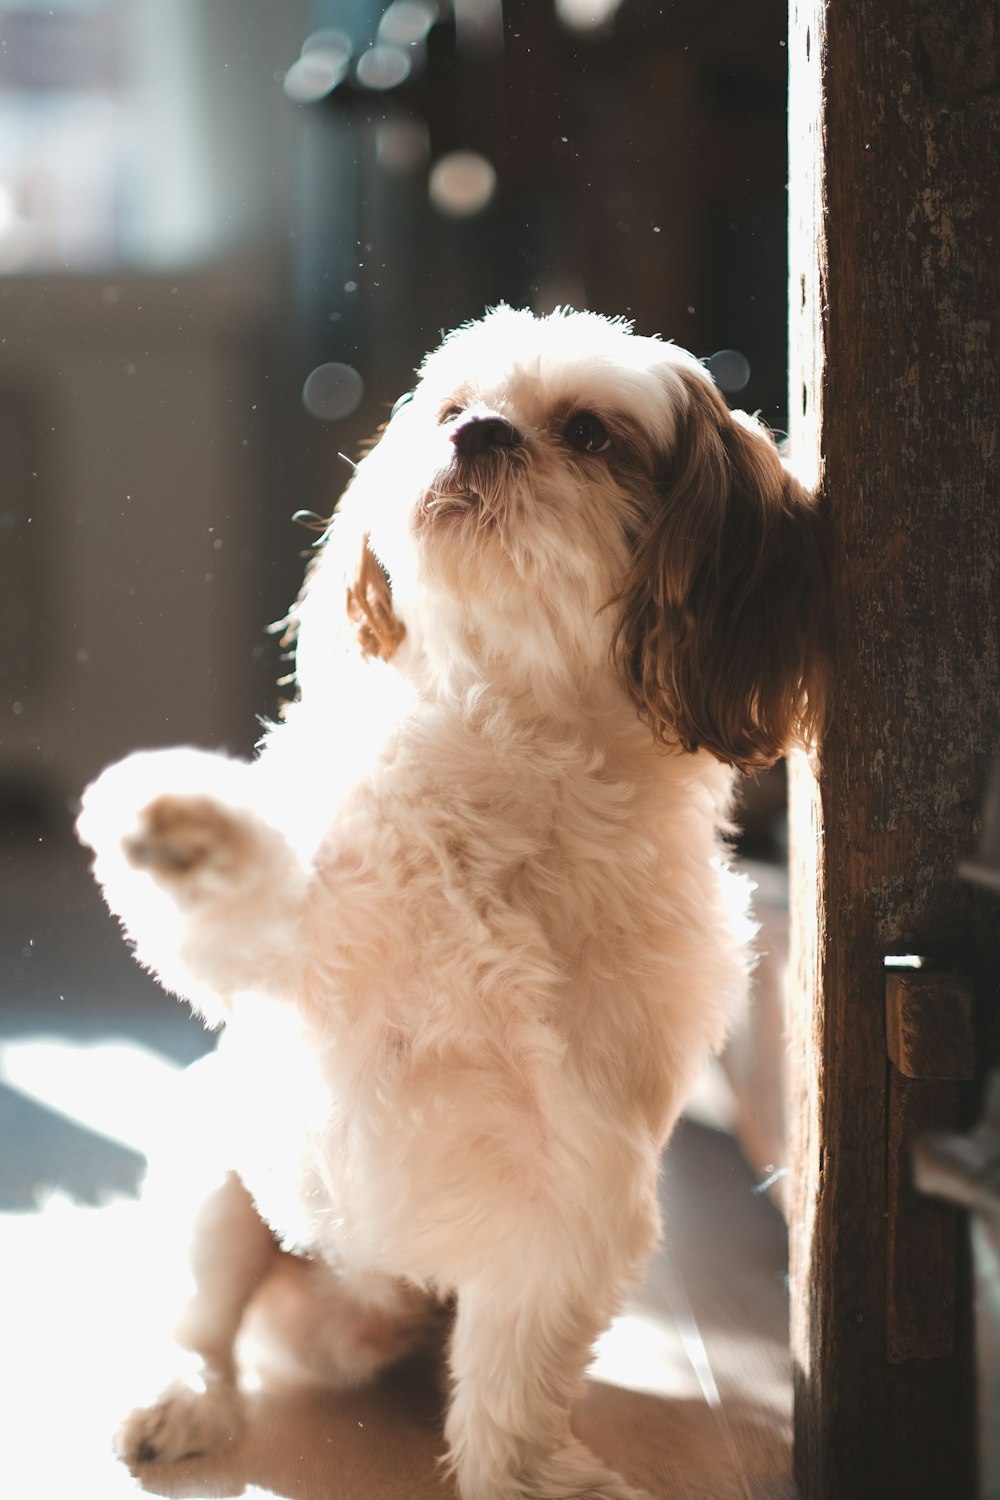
<point>720,639</point>
<point>378,630</point>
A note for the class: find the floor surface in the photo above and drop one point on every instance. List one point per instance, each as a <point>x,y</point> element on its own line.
<point>689,1394</point>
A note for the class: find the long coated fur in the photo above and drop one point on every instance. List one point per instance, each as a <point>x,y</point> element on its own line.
<point>466,918</point>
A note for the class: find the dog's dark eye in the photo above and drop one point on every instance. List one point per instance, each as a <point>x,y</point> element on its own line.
<point>402,400</point>
<point>449,412</point>
<point>586,433</point>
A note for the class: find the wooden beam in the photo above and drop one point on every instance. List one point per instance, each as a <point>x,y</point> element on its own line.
<point>895,323</point>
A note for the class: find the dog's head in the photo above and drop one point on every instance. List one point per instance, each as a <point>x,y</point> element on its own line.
<point>563,491</point>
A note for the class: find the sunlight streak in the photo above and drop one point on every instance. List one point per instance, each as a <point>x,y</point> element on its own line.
<point>121,1090</point>
<point>641,1352</point>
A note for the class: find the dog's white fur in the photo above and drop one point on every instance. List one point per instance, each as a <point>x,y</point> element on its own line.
<point>465,918</point>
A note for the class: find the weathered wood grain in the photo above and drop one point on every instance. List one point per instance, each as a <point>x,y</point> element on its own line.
<point>895,305</point>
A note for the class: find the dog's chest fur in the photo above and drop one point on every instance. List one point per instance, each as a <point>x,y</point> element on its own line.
<point>503,908</point>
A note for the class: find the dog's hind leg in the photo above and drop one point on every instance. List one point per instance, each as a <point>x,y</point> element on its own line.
<point>522,1340</point>
<point>232,1251</point>
<point>340,1328</point>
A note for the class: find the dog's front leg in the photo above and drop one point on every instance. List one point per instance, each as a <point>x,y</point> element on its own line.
<point>207,886</point>
<point>520,1347</point>
<point>232,1251</point>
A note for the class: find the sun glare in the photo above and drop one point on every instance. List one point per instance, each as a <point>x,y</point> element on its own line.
<point>118,1089</point>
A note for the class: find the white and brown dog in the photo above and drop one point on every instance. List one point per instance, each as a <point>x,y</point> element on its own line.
<point>465,917</point>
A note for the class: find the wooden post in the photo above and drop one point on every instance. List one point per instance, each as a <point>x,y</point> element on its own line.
<point>895,315</point>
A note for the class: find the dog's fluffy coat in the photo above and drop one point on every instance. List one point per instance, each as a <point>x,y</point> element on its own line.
<point>465,918</point>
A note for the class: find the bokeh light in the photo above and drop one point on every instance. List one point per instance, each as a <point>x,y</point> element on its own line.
<point>407,22</point>
<point>326,57</point>
<point>729,369</point>
<point>382,67</point>
<point>333,391</point>
<point>462,183</point>
<point>587,15</point>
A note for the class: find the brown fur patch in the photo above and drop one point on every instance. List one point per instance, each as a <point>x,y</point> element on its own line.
<point>378,629</point>
<point>721,635</point>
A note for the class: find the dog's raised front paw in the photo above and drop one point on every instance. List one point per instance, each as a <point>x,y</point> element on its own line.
<point>190,1416</point>
<point>184,817</point>
<point>180,836</point>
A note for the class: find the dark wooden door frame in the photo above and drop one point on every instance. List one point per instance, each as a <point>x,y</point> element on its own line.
<point>895,322</point>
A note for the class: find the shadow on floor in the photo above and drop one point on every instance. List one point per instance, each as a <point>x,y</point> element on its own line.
<point>43,1152</point>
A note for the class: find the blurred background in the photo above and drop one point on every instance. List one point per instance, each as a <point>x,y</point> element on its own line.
<point>229,230</point>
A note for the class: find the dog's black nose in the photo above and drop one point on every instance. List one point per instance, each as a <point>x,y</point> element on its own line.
<point>477,433</point>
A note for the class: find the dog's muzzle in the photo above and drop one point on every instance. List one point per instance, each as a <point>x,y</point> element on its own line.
<point>483,432</point>
<point>482,442</point>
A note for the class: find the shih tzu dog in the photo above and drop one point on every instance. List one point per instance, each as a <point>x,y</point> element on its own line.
<point>466,919</point>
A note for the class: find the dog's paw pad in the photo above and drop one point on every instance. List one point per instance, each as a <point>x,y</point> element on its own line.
<point>188,1418</point>
<point>177,836</point>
